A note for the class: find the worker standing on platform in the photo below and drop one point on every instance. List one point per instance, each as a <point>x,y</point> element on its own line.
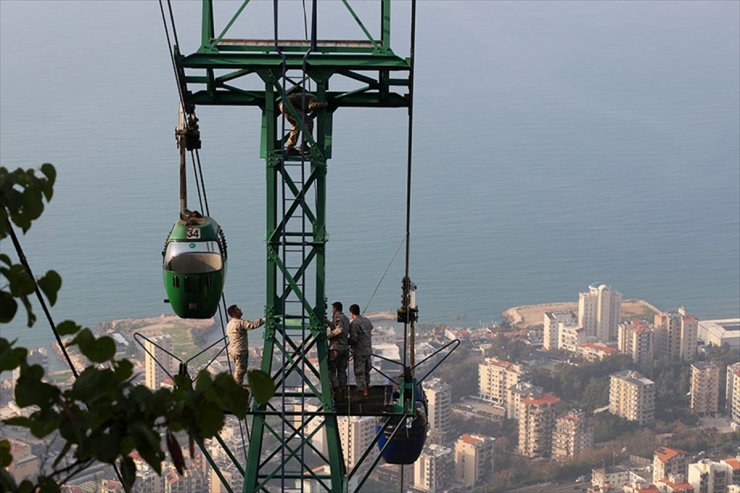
<point>338,336</point>
<point>306,105</point>
<point>361,343</point>
<point>237,329</point>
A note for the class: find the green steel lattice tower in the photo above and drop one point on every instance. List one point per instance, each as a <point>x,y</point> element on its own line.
<point>251,72</point>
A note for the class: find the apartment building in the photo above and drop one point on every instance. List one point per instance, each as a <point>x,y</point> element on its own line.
<point>675,335</point>
<point>573,434</point>
<point>551,325</point>
<point>157,361</point>
<point>516,394</point>
<point>670,464</point>
<point>707,476</point>
<point>704,388</point>
<point>636,339</point>
<point>495,379</point>
<point>439,401</point>
<point>632,396</point>
<point>434,469</point>
<point>732,392</point>
<point>599,312</point>
<point>536,424</point>
<point>473,459</point>
<point>570,337</point>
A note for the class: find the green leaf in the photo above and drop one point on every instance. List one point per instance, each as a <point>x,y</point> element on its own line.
<point>30,390</point>
<point>146,442</point>
<point>10,357</point>
<point>128,472</point>
<point>21,283</point>
<point>175,452</point>
<point>5,456</point>
<point>8,307</point>
<point>20,421</point>
<point>50,285</point>
<point>51,175</point>
<point>33,203</point>
<point>261,385</point>
<point>67,328</point>
<point>96,350</point>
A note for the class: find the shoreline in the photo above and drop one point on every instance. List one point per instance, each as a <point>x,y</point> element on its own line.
<point>524,316</point>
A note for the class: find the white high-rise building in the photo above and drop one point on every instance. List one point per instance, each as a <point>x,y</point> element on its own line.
<point>636,339</point>
<point>473,458</point>
<point>632,396</point>
<point>573,434</point>
<point>156,360</point>
<point>434,469</point>
<point>551,322</point>
<point>732,391</point>
<point>495,379</point>
<point>536,424</point>
<point>439,401</point>
<point>356,433</point>
<point>707,476</point>
<point>676,335</point>
<point>599,312</point>
<point>704,388</point>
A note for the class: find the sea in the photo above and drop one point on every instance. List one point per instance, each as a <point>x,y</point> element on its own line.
<point>555,145</point>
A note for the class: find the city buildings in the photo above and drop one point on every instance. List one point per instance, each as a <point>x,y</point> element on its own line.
<point>732,393</point>
<point>536,424</point>
<point>495,379</point>
<point>433,470</point>
<point>675,335</point>
<point>636,339</point>
<point>573,434</point>
<point>599,312</point>
<point>551,327</point>
<point>473,458</point>
<point>516,394</point>
<point>570,337</point>
<point>439,403</point>
<point>156,360</point>
<point>670,464</point>
<point>704,388</point>
<point>720,332</point>
<point>632,396</point>
<point>707,476</point>
<point>593,351</point>
<point>356,433</point>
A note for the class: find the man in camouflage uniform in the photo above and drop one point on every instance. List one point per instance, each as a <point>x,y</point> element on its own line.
<point>361,343</point>
<point>237,329</point>
<point>338,336</point>
<point>306,105</point>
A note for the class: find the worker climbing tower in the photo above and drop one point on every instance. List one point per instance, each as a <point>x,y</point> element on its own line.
<point>295,438</point>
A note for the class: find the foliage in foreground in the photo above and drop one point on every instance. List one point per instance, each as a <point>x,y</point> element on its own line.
<point>103,416</point>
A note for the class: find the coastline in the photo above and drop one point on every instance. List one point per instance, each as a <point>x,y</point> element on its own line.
<point>524,316</point>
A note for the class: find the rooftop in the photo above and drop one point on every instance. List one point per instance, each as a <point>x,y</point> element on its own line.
<point>665,454</point>
<point>541,400</point>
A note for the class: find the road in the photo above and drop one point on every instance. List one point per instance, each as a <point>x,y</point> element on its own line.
<point>570,487</point>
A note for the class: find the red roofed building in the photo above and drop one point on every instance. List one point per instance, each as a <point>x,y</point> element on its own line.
<point>536,424</point>
<point>670,464</point>
<point>666,486</point>
<point>473,458</point>
<point>734,464</point>
<point>495,378</point>
<point>595,352</point>
<point>636,339</point>
<point>676,335</point>
<point>573,434</point>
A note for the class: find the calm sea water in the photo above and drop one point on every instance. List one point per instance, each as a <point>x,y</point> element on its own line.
<point>556,144</point>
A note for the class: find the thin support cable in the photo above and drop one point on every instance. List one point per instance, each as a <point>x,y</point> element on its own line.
<point>387,268</point>
<point>24,261</point>
<point>409,147</point>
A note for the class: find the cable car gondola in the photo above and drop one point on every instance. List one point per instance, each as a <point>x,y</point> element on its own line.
<point>194,266</point>
<point>405,446</point>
